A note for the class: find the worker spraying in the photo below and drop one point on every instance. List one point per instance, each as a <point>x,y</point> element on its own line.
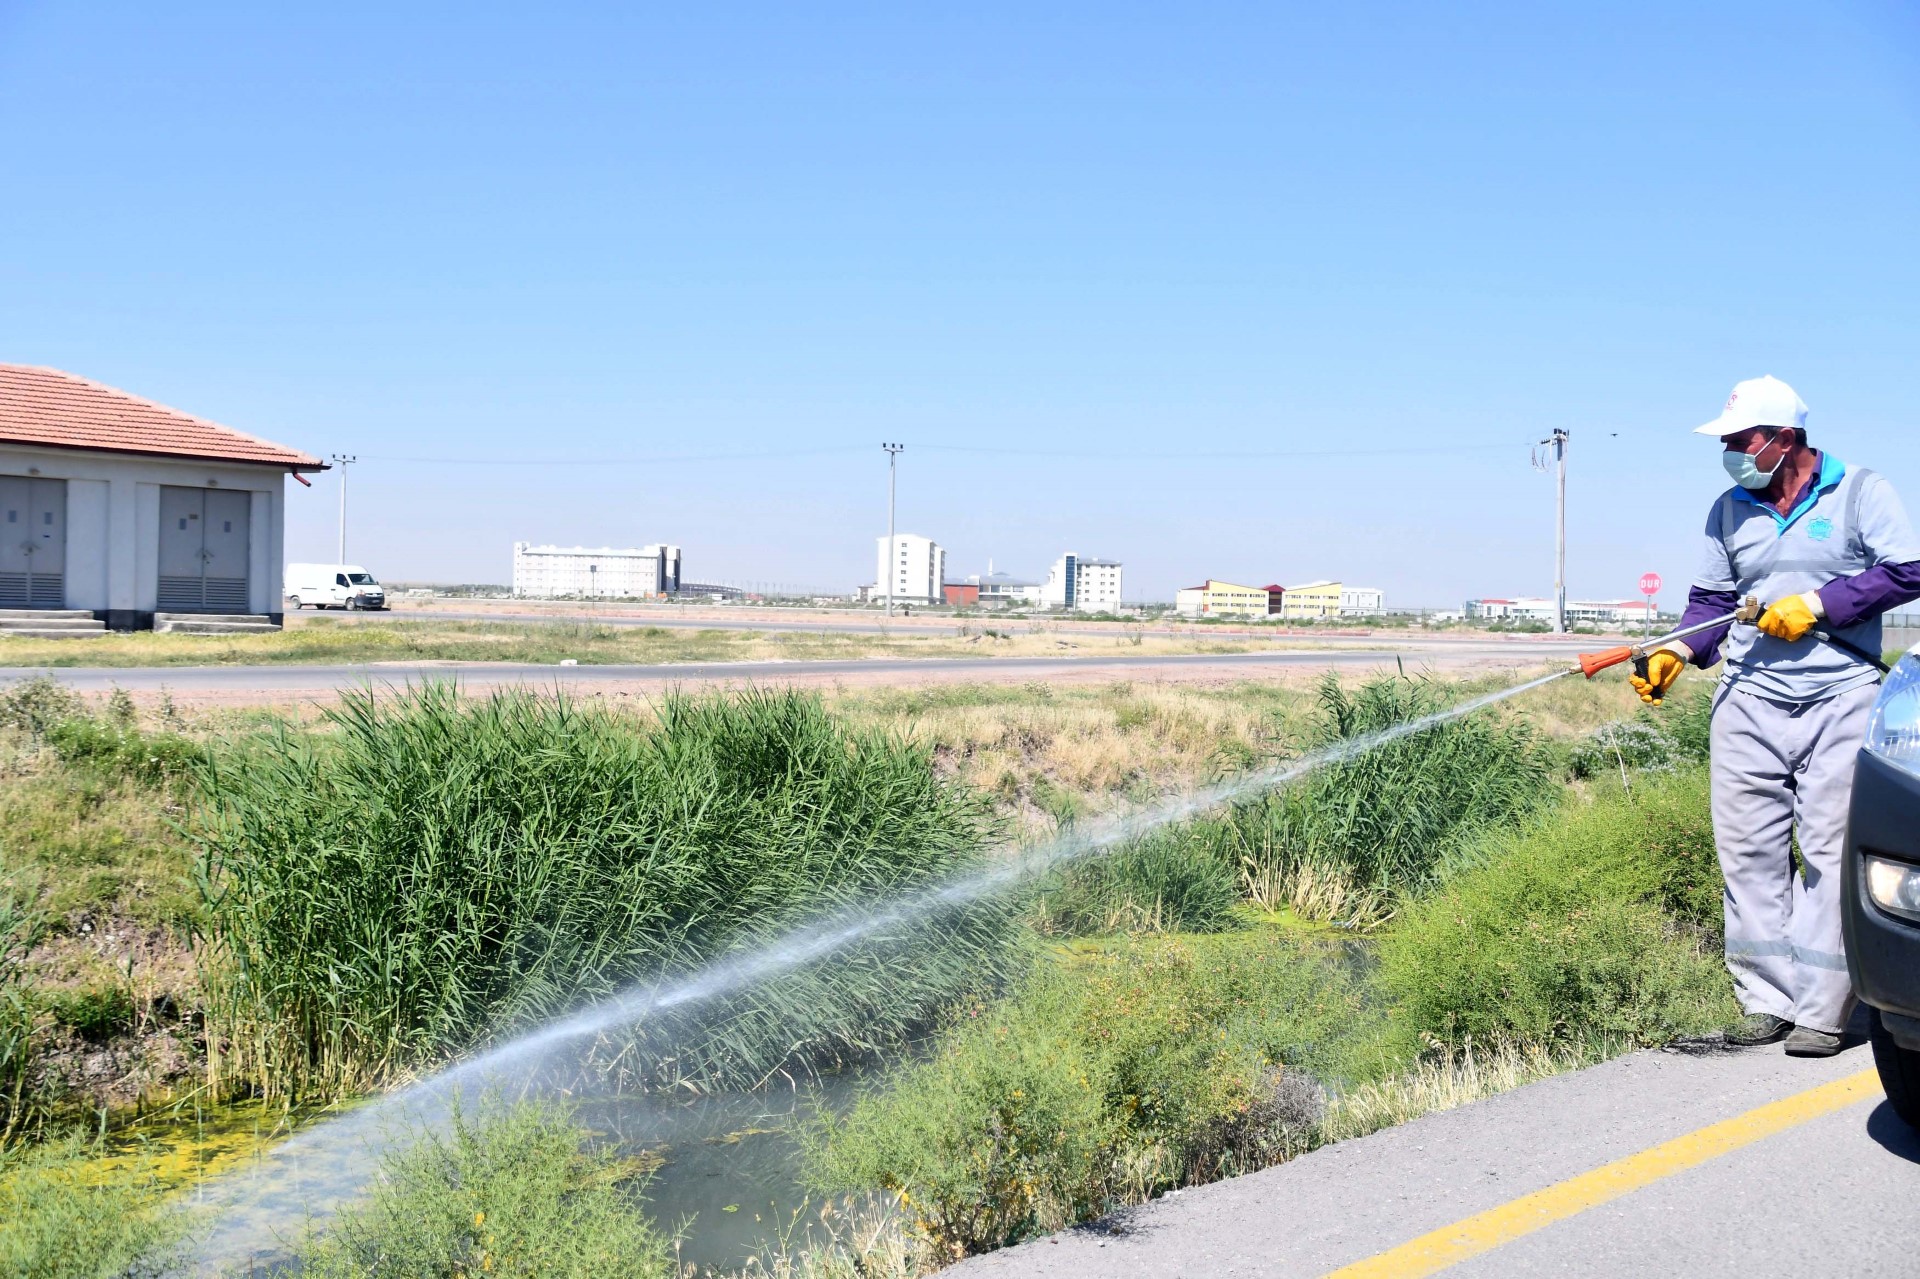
<point>1821,549</point>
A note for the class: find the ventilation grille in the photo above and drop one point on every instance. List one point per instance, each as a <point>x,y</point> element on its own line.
<point>202,594</point>
<point>226,594</point>
<point>33,590</point>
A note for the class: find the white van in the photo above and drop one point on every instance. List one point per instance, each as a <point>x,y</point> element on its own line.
<point>333,586</point>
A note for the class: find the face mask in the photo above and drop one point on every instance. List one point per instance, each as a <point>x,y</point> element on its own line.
<point>1745,472</point>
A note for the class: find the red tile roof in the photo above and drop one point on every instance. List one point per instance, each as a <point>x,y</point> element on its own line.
<point>59,410</point>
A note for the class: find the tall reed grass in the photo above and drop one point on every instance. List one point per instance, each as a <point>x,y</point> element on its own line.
<point>19,930</point>
<point>430,872</point>
<point>1350,840</point>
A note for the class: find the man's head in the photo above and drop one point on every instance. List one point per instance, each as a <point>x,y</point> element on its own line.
<point>1763,425</point>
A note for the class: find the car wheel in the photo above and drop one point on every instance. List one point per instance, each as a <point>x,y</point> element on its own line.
<point>295,601</point>
<point>1899,1073</point>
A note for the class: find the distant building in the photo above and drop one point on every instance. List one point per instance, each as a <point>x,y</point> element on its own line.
<point>1362,601</point>
<point>961,594</point>
<point>1004,590</point>
<point>1312,601</point>
<point>1215,598</point>
<point>603,572</point>
<point>1533,608</point>
<point>1084,585</point>
<point>915,566</point>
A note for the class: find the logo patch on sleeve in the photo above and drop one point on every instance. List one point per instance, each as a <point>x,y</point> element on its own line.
<point>1819,529</point>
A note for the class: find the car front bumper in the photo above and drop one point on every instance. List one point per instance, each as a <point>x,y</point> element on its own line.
<point>1883,950</point>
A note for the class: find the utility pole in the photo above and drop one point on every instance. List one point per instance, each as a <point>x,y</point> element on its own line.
<point>1559,442</point>
<point>343,461</point>
<point>893,452</point>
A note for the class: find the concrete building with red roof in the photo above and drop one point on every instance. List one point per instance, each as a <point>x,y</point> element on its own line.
<point>118,507</point>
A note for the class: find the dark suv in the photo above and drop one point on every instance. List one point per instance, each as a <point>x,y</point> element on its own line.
<point>1882,901</point>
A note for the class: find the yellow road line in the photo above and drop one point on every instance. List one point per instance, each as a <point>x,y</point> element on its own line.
<point>1485,1231</point>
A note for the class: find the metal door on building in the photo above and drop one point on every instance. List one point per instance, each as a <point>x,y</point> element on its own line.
<point>33,542</point>
<point>203,550</point>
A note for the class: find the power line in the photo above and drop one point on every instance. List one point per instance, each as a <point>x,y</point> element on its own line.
<point>1090,453</point>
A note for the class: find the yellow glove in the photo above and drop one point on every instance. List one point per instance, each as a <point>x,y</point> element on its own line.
<point>1663,667</point>
<point>1791,618</point>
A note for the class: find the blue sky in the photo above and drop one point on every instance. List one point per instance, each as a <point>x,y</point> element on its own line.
<point>1261,292</point>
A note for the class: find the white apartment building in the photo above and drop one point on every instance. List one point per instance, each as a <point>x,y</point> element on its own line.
<point>1086,586</point>
<point>595,572</point>
<point>915,567</point>
<point>1362,601</point>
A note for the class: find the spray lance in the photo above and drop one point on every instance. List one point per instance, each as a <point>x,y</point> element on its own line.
<point>1592,664</point>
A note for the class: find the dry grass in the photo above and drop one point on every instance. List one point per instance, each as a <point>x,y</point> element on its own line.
<point>1049,753</point>
<point>1444,1083</point>
<point>327,641</point>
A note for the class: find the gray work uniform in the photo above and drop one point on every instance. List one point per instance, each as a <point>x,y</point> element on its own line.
<point>1788,722</point>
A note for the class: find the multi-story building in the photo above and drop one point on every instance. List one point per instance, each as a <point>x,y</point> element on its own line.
<point>587,572</point>
<point>1312,601</point>
<point>1362,601</point>
<point>1215,598</point>
<point>1087,586</point>
<point>914,567</point>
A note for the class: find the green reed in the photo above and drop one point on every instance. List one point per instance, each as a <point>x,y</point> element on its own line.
<point>428,873</point>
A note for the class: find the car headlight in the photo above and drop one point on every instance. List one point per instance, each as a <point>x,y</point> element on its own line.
<point>1894,886</point>
<point>1894,731</point>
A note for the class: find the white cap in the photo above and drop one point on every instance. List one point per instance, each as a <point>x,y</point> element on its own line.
<point>1758,401</point>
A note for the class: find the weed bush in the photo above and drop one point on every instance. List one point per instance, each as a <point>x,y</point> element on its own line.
<point>506,1192</point>
<point>59,1219</point>
<point>1163,882</point>
<point>1632,744</point>
<point>1104,1080</point>
<point>122,750</point>
<point>1354,836</point>
<point>35,705</point>
<point>1602,923</point>
<point>1679,731</point>
<point>19,930</point>
<point>434,871</point>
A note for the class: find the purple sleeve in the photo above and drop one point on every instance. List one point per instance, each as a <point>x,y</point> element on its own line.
<point>1864,596</point>
<point>1704,605</point>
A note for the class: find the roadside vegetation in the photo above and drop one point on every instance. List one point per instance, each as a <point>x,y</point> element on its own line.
<point>304,911</point>
<point>327,641</point>
<point>427,873</point>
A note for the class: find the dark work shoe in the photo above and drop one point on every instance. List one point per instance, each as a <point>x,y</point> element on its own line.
<point>1807,1042</point>
<point>1757,1028</point>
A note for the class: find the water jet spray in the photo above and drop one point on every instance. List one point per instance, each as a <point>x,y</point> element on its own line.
<point>322,1165</point>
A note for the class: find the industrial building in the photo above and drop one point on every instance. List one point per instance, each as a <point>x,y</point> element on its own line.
<point>1322,600</point>
<point>589,572</point>
<point>1579,612</point>
<point>1215,598</point>
<point>118,507</point>
<point>1002,590</point>
<point>1084,585</point>
<point>914,567</point>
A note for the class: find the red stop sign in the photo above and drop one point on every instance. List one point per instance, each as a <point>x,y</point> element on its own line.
<point>1649,583</point>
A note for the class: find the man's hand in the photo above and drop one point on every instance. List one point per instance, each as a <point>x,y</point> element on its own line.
<point>1663,667</point>
<point>1791,618</point>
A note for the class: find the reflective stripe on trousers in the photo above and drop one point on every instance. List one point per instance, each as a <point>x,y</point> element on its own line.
<point>1779,770</point>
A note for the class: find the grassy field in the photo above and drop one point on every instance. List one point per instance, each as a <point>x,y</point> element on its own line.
<point>328,641</point>
<point>389,878</point>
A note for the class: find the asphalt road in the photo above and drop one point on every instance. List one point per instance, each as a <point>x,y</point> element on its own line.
<point>291,679</point>
<point>931,624</point>
<point>1834,1192</point>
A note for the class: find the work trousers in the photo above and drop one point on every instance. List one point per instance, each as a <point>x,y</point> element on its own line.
<point>1783,769</point>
